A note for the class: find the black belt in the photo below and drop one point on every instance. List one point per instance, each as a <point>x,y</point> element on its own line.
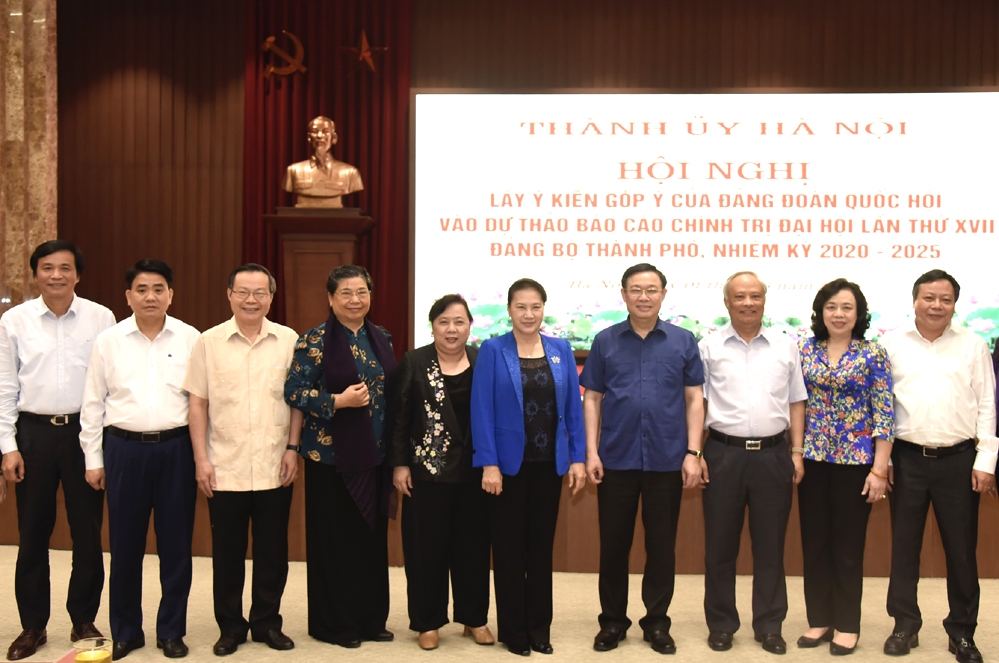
<point>149,438</point>
<point>51,419</point>
<point>938,452</point>
<point>748,443</point>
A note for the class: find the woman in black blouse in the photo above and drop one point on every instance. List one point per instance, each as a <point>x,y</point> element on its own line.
<point>444,523</point>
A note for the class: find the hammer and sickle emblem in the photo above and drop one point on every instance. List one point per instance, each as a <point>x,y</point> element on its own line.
<point>294,63</point>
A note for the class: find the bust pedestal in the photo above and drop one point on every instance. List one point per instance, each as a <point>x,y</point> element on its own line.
<point>311,242</point>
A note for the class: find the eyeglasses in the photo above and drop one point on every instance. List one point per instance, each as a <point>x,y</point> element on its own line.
<point>259,295</point>
<point>347,295</point>
<point>637,292</point>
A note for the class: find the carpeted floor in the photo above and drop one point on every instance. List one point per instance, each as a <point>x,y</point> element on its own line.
<point>575,624</point>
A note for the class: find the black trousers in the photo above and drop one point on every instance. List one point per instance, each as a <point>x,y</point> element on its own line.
<point>51,455</point>
<point>523,519</point>
<point>232,513</point>
<point>764,481</point>
<point>346,561</point>
<point>617,505</point>
<point>445,531</point>
<point>945,483</point>
<point>833,517</point>
<point>144,479</point>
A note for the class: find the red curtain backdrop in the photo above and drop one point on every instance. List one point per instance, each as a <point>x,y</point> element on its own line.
<point>371,113</point>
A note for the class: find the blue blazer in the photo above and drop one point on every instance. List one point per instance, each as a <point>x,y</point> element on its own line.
<point>498,405</point>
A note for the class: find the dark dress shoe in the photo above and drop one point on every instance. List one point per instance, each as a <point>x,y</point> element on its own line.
<point>172,647</point>
<point>805,642</point>
<point>965,649</point>
<point>275,639</point>
<point>384,636</point>
<point>348,640</point>
<point>840,650</point>
<point>607,638</point>
<point>899,643</point>
<point>661,641</point>
<point>719,640</point>
<point>26,644</point>
<point>772,642</point>
<point>519,650</point>
<point>228,643</point>
<point>543,647</point>
<point>124,648</point>
<point>84,631</point>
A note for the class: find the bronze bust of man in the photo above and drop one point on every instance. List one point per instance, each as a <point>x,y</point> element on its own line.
<point>321,180</point>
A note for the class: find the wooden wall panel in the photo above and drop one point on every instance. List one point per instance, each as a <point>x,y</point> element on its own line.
<point>150,160</point>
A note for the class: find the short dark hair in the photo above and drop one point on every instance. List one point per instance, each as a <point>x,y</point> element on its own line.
<point>344,272</point>
<point>444,302</point>
<point>640,268</point>
<point>149,266</point>
<point>936,275</point>
<point>526,284</point>
<point>253,267</point>
<point>54,246</point>
<point>827,292</point>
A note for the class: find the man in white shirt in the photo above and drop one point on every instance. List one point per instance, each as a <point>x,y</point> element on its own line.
<point>135,388</point>
<point>246,456</point>
<point>44,347</point>
<point>944,455</point>
<point>755,396</point>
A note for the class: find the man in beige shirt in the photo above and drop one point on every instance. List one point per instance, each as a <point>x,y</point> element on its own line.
<point>245,461</point>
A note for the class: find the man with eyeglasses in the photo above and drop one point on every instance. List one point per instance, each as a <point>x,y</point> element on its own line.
<point>644,414</point>
<point>247,464</point>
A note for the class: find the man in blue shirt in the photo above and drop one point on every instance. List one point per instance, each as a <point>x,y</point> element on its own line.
<point>644,413</point>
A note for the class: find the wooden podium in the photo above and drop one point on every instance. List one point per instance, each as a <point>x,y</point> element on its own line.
<point>311,242</point>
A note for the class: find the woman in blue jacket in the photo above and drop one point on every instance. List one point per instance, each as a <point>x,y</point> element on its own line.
<point>527,431</point>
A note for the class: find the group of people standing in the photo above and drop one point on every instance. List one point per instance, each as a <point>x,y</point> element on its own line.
<point>477,441</point>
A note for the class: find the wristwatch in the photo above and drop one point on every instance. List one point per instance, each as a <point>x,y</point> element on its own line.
<point>292,447</point>
<point>694,452</point>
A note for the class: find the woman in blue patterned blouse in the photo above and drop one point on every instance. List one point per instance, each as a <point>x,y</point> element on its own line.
<point>849,424</point>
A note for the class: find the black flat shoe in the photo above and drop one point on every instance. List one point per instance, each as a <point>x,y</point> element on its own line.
<point>804,642</point>
<point>899,643</point>
<point>543,647</point>
<point>719,640</point>
<point>348,640</point>
<point>607,638</point>
<point>228,643</point>
<point>275,639</point>
<point>773,643</point>
<point>122,649</point>
<point>965,650</point>
<point>172,647</point>
<point>840,650</point>
<point>661,641</point>
<point>383,636</point>
<point>519,650</point>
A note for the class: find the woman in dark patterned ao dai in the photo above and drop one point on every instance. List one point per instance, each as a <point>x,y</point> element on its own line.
<point>340,368</point>
<point>527,431</point>
<point>849,425</point>
<point>444,524</point>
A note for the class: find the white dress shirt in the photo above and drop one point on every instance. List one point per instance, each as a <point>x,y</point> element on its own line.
<point>750,386</point>
<point>944,390</point>
<point>134,383</point>
<point>43,360</point>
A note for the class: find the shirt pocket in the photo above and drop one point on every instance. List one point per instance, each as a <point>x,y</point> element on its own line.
<point>174,371</point>
<point>276,377</point>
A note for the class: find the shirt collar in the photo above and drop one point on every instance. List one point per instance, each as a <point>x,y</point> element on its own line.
<point>661,325</point>
<point>41,308</point>
<point>728,332</point>
<point>911,330</point>
<point>231,329</point>
<point>130,326</point>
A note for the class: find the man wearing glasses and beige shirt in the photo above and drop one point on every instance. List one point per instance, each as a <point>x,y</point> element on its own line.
<point>245,462</point>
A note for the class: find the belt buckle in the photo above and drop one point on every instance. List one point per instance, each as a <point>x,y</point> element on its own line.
<point>930,455</point>
<point>59,419</point>
<point>151,437</point>
<point>753,445</point>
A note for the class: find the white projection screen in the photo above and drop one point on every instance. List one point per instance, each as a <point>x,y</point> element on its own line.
<point>571,189</point>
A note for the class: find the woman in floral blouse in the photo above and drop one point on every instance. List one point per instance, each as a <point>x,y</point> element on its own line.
<point>445,528</point>
<point>336,388</point>
<point>849,425</point>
